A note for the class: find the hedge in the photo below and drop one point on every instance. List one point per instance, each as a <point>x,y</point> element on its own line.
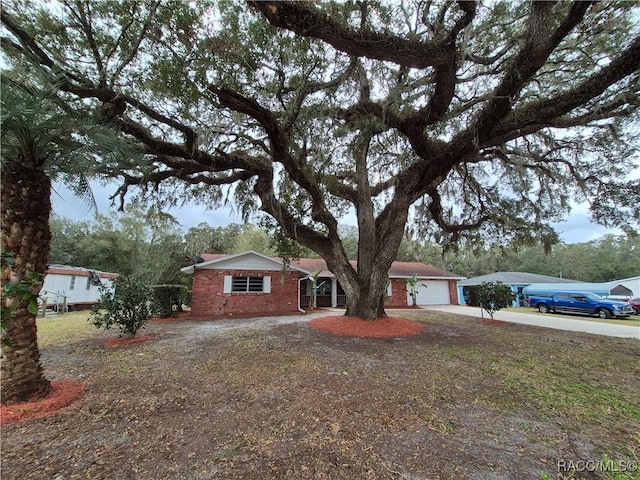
<point>168,296</point>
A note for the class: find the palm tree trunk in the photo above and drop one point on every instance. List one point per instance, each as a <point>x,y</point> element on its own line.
<point>25,211</point>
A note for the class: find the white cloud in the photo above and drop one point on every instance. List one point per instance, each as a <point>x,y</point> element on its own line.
<point>578,227</point>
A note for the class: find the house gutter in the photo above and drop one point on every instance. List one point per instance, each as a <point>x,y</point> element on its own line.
<point>190,269</point>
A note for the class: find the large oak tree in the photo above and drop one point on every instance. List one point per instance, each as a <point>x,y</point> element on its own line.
<point>446,119</point>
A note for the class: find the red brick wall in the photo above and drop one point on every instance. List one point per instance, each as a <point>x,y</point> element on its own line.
<point>453,292</point>
<point>209,300</point>
<point>398,298</point>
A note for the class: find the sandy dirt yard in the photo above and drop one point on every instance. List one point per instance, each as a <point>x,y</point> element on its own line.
<point>262,399</point>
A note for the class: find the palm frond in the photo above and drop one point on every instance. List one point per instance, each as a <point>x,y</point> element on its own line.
<point>72,146</point>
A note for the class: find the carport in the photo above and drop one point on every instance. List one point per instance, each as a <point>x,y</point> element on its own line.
<point>516,280</point>
<point>609,289</point>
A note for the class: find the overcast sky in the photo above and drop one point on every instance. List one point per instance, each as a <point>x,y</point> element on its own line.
<point>577,228</point>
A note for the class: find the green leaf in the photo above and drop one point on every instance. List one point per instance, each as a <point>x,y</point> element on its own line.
<point>33,307</point>
<point>9,288</point>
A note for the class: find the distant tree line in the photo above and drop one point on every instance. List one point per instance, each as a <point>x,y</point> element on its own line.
<point>152,246</point>
<point>610,257</point>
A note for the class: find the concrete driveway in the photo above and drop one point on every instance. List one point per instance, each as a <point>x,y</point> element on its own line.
<point>548,321</point>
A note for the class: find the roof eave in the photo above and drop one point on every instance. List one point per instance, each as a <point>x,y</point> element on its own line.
<point>190,269</point>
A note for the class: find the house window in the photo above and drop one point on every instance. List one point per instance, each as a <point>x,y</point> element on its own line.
<point>88,283</point>
<point>72,284</point>
<point>233,284</point>
<point>247,284</point>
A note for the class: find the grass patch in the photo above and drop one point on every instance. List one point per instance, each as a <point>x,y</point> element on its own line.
<point>64,329</point>
<point>632,321</point>
<point>549,385</point>
<point>577,384</point>
<point>581,385</point>
<point>581,381</point>
<point>553,394</point>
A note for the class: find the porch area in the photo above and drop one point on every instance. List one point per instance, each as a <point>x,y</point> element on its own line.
<point>328,293</point>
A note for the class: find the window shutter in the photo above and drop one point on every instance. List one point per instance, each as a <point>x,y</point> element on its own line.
<point>266,284</point>
<point>389,292</point>
<point>228,279</point>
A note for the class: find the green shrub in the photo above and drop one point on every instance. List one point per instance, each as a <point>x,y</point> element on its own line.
<point>494,296</point>
<point>412,288</point>
<point>128,304</point>
<point>168,296</point>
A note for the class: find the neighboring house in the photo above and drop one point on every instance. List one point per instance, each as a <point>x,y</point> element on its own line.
<point>75,287</point>
<point>607,289</point>
<point>251,283</point>
<point>517,280</point>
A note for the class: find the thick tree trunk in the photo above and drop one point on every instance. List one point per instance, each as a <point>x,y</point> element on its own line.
<point>378,244</point>
<point>368,303</point>
<point>366,288</point>
<point>25,210</point>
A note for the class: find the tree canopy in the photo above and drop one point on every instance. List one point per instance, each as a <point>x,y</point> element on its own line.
<point>446,119</point>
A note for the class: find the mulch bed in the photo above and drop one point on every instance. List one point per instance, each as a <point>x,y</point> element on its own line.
<point>387,327</point>
<point>491,321</point>
<point>62,393</point>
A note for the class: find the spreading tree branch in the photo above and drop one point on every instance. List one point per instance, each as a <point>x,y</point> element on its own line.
<point>305,19</point>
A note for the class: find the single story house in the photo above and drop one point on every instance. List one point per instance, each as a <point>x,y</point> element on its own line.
<point>517,280</point>
<point>251,283</point>
<point>75,288</point>
<point>607,289</point>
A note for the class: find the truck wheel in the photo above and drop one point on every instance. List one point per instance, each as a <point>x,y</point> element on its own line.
<point>543,308</point>
<point>604,313</point>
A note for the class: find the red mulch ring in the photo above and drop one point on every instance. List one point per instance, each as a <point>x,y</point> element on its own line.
<point>126,341</point>
<point>387,327</point>
<point>61,394</point>
<point>491,321</point>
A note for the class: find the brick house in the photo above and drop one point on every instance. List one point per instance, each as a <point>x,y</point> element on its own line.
<point>250,283</point>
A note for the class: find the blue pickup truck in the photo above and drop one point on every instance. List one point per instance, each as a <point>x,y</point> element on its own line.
<point>581,303</point>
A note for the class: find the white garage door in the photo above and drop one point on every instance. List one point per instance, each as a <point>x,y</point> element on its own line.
<point>435,293</point>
